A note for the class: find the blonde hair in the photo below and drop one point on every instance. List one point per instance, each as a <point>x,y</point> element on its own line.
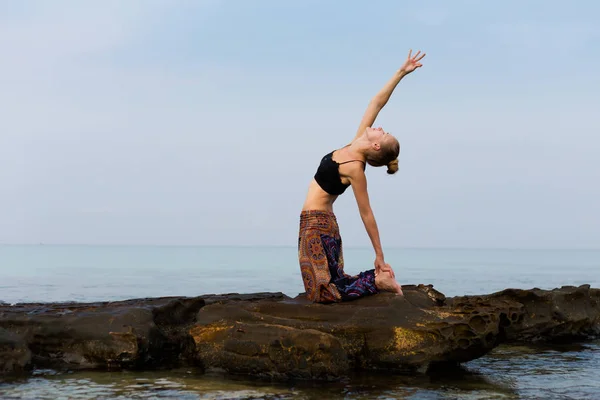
<point>387,155</point>
<point>392,167</point>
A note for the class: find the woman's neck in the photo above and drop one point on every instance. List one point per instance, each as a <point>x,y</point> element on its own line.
<point>359,147</point>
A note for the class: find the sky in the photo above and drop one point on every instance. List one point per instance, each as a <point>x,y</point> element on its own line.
<point>202,122</point>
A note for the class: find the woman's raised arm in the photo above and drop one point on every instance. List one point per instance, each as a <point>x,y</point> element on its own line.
<point>381,98</point>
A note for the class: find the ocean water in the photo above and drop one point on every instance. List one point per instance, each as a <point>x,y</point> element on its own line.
<point>93,273</point>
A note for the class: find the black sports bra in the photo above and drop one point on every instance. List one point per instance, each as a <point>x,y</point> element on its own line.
<point>328,175</point>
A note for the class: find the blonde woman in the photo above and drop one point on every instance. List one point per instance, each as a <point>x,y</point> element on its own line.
<point>319,244</point>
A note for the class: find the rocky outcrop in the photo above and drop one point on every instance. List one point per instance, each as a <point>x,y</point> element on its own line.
<point>272,335</point>
<point>561,315</point>
<point>144,333</point>
<point>15,356</point>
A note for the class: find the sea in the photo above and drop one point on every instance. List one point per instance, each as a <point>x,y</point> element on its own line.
<point>53,273</point>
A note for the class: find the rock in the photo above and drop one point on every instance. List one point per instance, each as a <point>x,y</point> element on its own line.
<point>295,338</point>
<point>15,356</point>
<point>272,335</point>
<point>561,315</point>
<point>128,334</point>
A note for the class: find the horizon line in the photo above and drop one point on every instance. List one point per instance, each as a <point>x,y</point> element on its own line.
<point>293,246</point>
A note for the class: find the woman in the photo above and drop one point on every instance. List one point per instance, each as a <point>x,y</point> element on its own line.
<point>319,244</point>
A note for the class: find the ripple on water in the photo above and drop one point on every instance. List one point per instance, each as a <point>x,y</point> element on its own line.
<point>509,372</point>
<point>125,385</point>
<point>562,371</point>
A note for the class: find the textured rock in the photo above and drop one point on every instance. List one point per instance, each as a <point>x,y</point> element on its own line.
<point>15,356</point>
<point>272,335</point>
<point>565,314</point>
<point>295,338</point>
<point>115,335</point>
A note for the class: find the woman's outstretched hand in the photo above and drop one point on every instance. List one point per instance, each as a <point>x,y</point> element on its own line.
<point>412,62</point>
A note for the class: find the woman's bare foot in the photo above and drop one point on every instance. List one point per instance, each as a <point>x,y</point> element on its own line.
<point>386,283</point>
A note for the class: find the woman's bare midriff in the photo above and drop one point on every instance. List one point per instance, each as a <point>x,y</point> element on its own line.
<point>318,199</point>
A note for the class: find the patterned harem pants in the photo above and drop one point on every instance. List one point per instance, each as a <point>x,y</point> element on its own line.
<point>322,262</point>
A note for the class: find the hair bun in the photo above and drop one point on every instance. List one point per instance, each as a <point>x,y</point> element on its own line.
<point>392,167</point>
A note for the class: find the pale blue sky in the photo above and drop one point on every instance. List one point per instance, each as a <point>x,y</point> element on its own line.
<point>202,122</point>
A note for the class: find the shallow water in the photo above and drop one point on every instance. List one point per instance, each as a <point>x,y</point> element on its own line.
<point>84,273</point>
<point>509,372</point>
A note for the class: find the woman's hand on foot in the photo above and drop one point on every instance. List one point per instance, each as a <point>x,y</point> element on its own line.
<point>382,267</point>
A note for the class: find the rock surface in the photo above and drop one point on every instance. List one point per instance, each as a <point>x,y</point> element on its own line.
<point>15,356</point>
<point>561,315</point>
<point>272,335</point>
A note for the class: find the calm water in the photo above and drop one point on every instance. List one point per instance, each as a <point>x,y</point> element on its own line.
<point>88,273</point>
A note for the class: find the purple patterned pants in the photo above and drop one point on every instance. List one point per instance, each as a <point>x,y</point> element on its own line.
<point>322,262</point>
